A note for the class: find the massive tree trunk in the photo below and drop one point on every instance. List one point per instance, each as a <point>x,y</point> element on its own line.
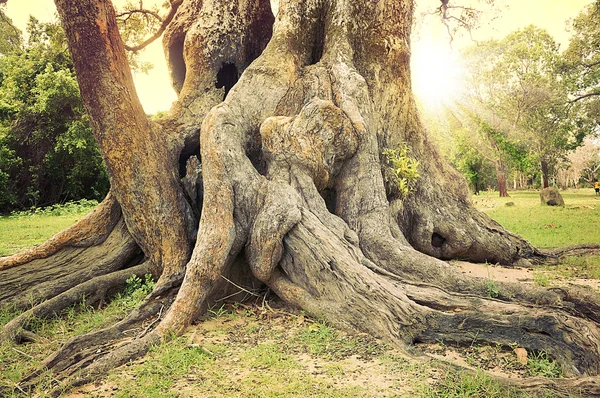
<point>288,118</point>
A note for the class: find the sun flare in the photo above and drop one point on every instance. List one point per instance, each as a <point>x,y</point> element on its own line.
<point>437,75</point>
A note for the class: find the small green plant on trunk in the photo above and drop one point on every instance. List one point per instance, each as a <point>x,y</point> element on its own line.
<point>402,168</point>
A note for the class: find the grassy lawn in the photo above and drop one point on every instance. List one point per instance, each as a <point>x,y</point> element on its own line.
<point>546,226</point>
<point>23,230</point>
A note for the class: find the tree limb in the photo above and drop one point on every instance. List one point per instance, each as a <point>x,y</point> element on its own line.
<point>584,96</point>
<point>591,65</point>
<point>165,22</point>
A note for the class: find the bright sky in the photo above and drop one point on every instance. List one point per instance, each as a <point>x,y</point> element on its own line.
<point>154,88</point>
<point>436,68</point>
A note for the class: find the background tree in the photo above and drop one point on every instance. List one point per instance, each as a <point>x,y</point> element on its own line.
<point>469,159</point>
<point>581,61</point>
<point>11,39</point>
<point>291,118</point>
<point>517,80</point>
<point>583,165</point>
<point>49,154</point>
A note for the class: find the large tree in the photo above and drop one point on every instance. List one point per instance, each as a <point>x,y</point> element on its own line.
<point>289,118</point>
<point>582,60</point>
<point>516,82</point>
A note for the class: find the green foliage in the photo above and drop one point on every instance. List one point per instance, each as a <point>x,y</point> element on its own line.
<point>471,384</point>
<point>47,150</point>
<point>11,38</point>
<point>492,288</point>
<point>8,162</point>
<point>136,289</point>
<point>135,285</point>
<point>471,162</point>
<point>403,168</point>
<point>515,152</point>
<point>580,65</point>
<point>77,207</point>
<point>518,91</point>
<point>539,364</point>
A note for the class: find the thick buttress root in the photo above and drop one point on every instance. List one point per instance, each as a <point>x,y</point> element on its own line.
<point>294,183</point>
<point>97,245</point>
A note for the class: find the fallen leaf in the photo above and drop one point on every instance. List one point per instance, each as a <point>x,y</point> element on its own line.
<point>521,355</point>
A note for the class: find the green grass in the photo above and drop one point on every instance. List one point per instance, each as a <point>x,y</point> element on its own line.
<point>539,364</point>
<point>546,226</point>
<point>240,353</point>
<point>469,384</point>
<point>246,358</point>
<point>23,230</point>
<point>324,341</point>
<point>581,267</point>
<point>16,361</point>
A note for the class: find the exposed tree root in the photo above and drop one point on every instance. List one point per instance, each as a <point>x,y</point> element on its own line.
<point>555,255</point>
<point>91,230</point>
<point>93,291</point>
<point>30,283</point>
<point>90,356</point>
<point>569,387</point>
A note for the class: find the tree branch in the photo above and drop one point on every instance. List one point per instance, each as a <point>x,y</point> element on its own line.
<point>584,96</point>
<point>129,13</point>
<point>591,65</point>
<point>165,22</point>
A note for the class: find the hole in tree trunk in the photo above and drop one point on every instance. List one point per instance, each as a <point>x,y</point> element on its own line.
<point>330,197</point>
<point>227,77</point>
<point>437,240</point>
<point>183,158</point>
<point>318,45</point>
<point>177,62</point>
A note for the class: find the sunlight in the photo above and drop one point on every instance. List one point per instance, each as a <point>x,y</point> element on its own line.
<point>437,74</point>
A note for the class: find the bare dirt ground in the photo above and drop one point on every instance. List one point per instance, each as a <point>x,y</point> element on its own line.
<point>275,351</point>
<point>524,275</point>
<point>254,352</point>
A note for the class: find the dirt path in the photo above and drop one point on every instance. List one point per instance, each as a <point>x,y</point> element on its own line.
<point>518,274</point>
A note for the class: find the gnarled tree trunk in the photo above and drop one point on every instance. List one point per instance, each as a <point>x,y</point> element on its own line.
<point>289,117</point>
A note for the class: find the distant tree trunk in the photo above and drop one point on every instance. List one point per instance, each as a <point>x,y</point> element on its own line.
<point>545,173</point>
<point>501,177</point>
<point>289,122</point>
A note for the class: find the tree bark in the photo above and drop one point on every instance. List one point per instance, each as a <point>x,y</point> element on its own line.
<point>290,122</point>
<point>501,177</point>
<point>545,174</point>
